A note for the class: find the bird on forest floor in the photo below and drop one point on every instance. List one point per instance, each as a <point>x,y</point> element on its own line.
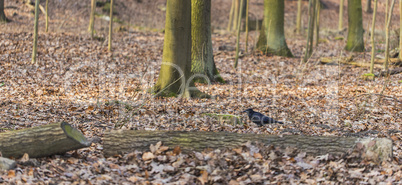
<point>260,119</point>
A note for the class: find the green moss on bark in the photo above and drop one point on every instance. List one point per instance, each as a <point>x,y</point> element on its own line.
<point>355,40</point>
<point>272,34</point>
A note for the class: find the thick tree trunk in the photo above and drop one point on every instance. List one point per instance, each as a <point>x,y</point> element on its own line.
<point>272,34</point>
<point>2,15</point>
<point>42,141</point>
<point>124,141</point>
<point>202,57</point>
<point>355,30</point>
<point>175,71</point>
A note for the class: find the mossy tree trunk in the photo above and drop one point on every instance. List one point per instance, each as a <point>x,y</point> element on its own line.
<point>175,73</point>
<point>3,17</point>
<point>202,58</point>
<point>355,30</point>
<point>272,34</point>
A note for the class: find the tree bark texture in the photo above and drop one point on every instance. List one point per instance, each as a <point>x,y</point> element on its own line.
<point>272,34</point>
<point>298,18</point>
<point>355,40</point>
<point>175,71</point>
<point>340,24</point>
<point>42,141</point>
<point>202,58</point>
<point>2,15</point>
<point>92,18</point>
<point>372,38</point>
<point>124,141</point>
<point>368,9</point>
<point>35,35</point>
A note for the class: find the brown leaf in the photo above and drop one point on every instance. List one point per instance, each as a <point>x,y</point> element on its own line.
<point>147,156</point>
<point>176,150</point>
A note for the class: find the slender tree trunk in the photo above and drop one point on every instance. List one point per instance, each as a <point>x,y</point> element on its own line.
<point>231,15</point>
<point>35,41</point>
<point>109,48</point>
<point>372,38</point>
<point>317,23</point>
<point>238,34</point>
<point>235,14</point>
<point>313,7</point>
<point>92,18</point>
<point>340,25</point>
<point>175,73</point>
<point>3,17</point>
<point>387,36</point>
<point>298,18</point>
<point>247,1</point>
<point>400,30</point>
<point>355,40</point>
<point>368,9</point>
<point>202,58</point>
<point>386,11</point>
<point>272,35</point>
<point>47,16</point>
<point>310,34</point>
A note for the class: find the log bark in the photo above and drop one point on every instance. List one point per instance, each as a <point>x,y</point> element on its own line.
<point>124,141</point>
<point>42,141</point>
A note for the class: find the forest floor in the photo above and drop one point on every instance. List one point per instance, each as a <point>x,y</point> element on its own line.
<point>76,80</point>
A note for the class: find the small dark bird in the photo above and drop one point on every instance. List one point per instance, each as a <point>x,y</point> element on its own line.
<point>260,119</point>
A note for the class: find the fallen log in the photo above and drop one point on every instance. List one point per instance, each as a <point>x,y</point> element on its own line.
<point>42,141</point>
<point>124,141</point>
<point>360,63</point>
<point>390,72</point>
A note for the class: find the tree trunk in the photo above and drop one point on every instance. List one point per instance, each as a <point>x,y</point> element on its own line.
<point>35,35</point>
<point>109,48</point>
<point>272,34</point>
<point>124,141</point>
<point>3,17</point>
<point>317,22</point>
<point>298,18</point>
<point>340,24</point>
<point>238,35</point>
<point>42,141</point>
<point>231,15</point>
<point>247,26</point>
<point>47,16</point>
<point>372,38</point>
<point>387,36</point>
<point>400,30</point>
<point>92,18</point>
<point>202,58</point>
<point>310,34</point>
<point>174,76</point>
<point>355,41</point>
<point>368,9</point>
